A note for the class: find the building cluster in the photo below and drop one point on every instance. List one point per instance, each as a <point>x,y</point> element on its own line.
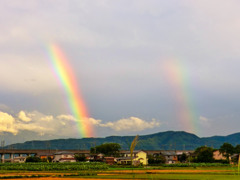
<point>138,157</point>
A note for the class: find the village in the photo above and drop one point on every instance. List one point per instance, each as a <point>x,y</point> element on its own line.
<point>123,157</point>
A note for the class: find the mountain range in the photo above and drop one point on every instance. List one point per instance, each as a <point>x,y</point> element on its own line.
<point>169,140</point>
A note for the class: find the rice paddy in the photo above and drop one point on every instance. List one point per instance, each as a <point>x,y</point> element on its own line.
<point>164,173</point>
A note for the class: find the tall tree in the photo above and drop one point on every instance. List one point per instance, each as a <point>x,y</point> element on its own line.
<point>227,150</point>
<point>158,159</point>
<point>204,154</point>
<point>108,149</point>
<point>80,157</point>
<point>237,149</point>
<point>183,158</point>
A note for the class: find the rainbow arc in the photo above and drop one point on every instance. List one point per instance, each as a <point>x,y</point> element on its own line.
<point>66,77</point>
<point>178,77</point>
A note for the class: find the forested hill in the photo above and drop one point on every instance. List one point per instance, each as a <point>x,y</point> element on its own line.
<point>169,140</point>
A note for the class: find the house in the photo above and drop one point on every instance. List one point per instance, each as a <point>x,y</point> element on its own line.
<point>19,159</point>
<point>217,155</point>
<point>95,157</point>
<point>109,160</point>
<point>138,157</point>
<point>234,158</point>
<point>170,156</point>
<point>45,155</point>
<point>100,158</point>
<point>182,156</point>
<point>64,156</point>
<point>124,160</point>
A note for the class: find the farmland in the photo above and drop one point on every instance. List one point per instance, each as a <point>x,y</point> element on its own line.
<point>47,171</point>
<point>53,166</point>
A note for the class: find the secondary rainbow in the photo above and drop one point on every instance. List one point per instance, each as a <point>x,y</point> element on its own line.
<point>178,76</point>
<point>66,77</point>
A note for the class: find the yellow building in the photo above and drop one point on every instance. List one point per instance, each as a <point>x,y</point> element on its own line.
<point>139,157</point>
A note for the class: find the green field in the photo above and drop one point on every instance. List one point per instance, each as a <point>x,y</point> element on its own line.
<point>176,176</point>
<point>103,171</point>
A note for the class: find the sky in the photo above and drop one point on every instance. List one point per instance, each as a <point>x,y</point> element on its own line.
<point>141,67</point>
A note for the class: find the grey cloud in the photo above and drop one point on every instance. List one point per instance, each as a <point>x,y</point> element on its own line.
<point>118,49</point>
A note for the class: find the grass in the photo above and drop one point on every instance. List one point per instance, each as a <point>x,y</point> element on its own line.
<point>174,176</point>
<point>172,173</point>
<point>160,172</point>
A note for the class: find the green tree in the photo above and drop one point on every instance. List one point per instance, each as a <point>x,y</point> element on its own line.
<point>237,149</point>
<point>48,159</point>
<point>33,159</point>
<point>227,150</point>
<point>204,154</point>
<point>80,157</point>
<point>183,157</point>
<point>108,149</point>
<point>158,159</point>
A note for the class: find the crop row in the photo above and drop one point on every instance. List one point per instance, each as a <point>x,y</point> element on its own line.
<point>53,166</point>
<point>195,165</point>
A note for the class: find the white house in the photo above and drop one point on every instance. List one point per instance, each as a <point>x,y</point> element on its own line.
<point>19,159</point>
<point>64,157</point>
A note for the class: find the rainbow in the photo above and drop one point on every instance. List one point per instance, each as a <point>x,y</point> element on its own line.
<point>178,76</point>
<point>65,76</point>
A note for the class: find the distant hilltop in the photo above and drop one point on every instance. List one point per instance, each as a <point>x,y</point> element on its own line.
<point>169,140</point>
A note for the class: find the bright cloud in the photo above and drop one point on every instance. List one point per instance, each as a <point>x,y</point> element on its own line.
<point>65,125</point>
<point>7,123</point>
<point>23,122</point>
<point>95,121</point>
<point>22,116</point>
<point>47,118</point>
<point>128,124</point>
<point>66,117</point>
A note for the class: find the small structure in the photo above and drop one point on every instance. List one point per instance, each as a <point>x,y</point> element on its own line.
<point>219,156</point>
<point>138,157</point>
<point>109,160</point>
<point>96,158</point>
<point>170,156</point>
<point>19,159</point>
<point>45,155</point>
<point>124,160</point>
<point>64,156</point>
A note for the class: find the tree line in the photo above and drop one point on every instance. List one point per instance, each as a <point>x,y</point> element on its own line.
<point>201,154</point>
<point>205,154</point>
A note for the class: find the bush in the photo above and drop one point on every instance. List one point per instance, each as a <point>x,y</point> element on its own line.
<point>33,159</point>
<point>156,160</point>
<point>80,158</point>
<point>204,155</point>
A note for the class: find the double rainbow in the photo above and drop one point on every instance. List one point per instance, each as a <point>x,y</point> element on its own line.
<point>66,77</point>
